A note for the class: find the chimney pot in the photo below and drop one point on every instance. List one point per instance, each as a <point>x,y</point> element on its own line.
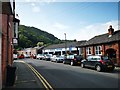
<point>110,30</point>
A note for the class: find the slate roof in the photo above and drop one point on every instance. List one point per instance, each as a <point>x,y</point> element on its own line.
<point>104,38</point>
<point>69,44</point>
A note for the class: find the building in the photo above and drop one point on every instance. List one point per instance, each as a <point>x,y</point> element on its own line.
<point>105,44</point>
<point>7,27</point>
<point>31,51</point>
<point>0,46</point>
<point>64,48</point>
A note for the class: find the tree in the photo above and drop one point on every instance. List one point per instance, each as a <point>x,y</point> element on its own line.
<point>39,44</point>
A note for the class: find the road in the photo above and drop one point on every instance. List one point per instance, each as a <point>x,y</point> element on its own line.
<point>61,75</point>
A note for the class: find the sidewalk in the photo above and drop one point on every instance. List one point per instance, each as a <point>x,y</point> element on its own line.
<point>24,77</point>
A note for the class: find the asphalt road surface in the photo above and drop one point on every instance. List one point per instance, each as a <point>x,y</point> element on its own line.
<point>61,75</point>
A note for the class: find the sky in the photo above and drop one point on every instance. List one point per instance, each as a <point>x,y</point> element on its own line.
<point>80,20</point>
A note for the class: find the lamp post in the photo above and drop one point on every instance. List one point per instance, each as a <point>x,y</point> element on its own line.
<point>65,44</point>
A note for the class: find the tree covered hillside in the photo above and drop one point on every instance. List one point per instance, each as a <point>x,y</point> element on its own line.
<point>30,36</point>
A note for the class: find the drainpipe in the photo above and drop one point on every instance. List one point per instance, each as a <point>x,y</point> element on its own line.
<point>7,43</point>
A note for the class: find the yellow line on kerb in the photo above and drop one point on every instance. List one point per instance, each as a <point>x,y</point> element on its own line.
<point>41,78</point>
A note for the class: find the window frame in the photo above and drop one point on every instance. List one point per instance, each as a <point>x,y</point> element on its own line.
<point>98,50</point>
<point>89,50</point>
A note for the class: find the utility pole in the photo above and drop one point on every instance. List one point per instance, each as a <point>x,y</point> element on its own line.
<point>65,44</point>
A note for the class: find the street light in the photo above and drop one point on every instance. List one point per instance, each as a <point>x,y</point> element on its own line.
<point>65,44</point>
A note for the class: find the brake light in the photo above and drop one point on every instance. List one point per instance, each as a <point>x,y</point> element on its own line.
<point>102,61</point>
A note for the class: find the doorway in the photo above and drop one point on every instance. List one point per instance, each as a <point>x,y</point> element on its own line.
<point>111,53</point>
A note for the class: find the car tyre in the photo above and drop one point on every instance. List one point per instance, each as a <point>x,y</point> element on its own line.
<point>82,65</point>
<point>98,68</point>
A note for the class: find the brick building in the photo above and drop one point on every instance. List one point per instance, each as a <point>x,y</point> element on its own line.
<point>105,44</point>
<point>6,36</point>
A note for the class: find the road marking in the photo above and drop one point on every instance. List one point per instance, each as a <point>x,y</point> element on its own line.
<point>41,78</point>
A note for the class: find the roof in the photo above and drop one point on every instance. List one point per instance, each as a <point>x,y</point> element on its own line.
<point>62,45</point>
<point>104,38</point>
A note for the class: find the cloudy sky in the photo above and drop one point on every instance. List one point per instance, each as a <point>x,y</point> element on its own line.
<point>79,20</point>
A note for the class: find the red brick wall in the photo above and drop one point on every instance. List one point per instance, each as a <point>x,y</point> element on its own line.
<point>115,46</point>
<point>4,45</point>
<point>93,50</point>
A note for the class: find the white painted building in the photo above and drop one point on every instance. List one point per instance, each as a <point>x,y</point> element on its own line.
<point>60,49</point>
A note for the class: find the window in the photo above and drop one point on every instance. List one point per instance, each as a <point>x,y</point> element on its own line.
<point>88,50</point>
<point>98,50</point>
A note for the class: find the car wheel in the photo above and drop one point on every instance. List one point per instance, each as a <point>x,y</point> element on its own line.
<point>98,68</point>
<point>71,63</point>
<point>82,65</point>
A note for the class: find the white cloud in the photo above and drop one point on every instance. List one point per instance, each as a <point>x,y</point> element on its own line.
<point>36,9</point>
<point>57,29</point>
<point>90,31</point>
<point>86,33</point>
<point>33,4</point>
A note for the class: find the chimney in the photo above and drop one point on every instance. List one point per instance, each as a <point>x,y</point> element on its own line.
<point>110,31</point>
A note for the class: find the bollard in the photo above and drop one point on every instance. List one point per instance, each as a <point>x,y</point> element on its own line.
<point>11,75</point>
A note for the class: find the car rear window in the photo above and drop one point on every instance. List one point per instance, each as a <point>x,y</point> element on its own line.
<point>95,58</point>
<point>105,58</point>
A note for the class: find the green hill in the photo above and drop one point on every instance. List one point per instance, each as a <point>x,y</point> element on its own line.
<point>30,36</point>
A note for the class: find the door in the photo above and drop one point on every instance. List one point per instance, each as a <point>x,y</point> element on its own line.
<point>111,53</point>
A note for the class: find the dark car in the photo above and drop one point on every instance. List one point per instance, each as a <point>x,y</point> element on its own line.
<point>73,59</point>
<point>98,62</point>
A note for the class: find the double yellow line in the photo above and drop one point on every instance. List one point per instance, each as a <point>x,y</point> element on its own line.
<point>41,78</point>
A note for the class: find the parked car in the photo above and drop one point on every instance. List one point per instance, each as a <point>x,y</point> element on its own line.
<point>34,56</point>
<point>57,58</point>
<point>98,62</point>
<point>26,56</point>
<point>73,59</point>
<point>47,57</point>
<point>21,56</point>
<point>53,58</point>
<point>40,56</point>
<point>15,56</point>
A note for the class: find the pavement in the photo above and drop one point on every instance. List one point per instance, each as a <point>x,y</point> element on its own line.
<point>24,78</point>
